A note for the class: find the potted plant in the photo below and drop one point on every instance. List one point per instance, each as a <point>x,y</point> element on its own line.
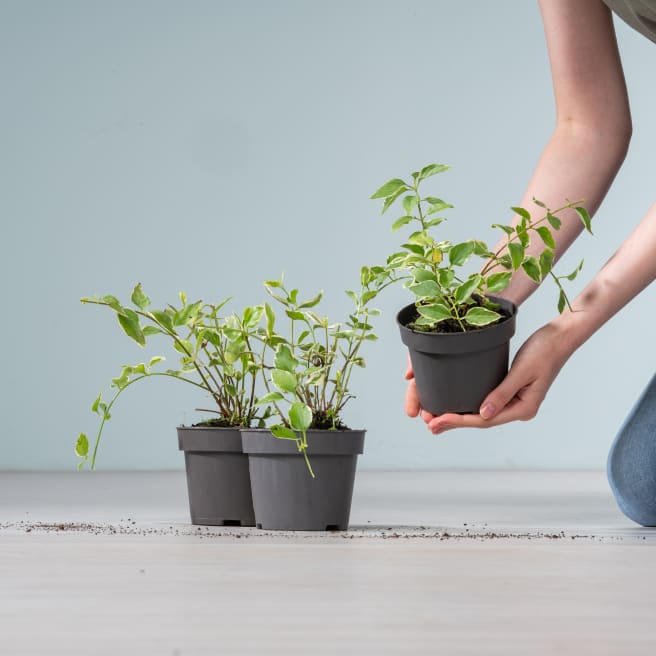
<point>214,357</point>
<point>456,330</point>
<point>303,480</point>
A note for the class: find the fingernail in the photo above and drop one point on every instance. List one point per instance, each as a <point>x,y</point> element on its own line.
<point>487,411</point>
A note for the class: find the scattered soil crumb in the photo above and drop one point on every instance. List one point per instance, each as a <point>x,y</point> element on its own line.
<point>471,533</point>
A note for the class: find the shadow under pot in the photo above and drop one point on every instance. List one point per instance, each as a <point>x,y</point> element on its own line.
<point>218,481</point>
<point>454,372</point>
<point>285,496</point>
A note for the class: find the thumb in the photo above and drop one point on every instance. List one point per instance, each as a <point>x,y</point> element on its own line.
<point>499,397</point>
<point>409,373</point>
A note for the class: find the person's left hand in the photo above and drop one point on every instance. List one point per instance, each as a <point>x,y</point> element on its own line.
<point>520,394</point>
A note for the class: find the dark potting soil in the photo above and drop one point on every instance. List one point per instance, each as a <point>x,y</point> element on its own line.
<point>215,422</point>
<point>326,421</point>
<point>452,326</point>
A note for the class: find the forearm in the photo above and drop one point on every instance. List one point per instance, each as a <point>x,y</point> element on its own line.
<point>577,165</point>
<point>625,275</point>
<point>593,120</point>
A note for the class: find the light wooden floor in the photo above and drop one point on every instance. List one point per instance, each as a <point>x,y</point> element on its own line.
<point>434,563</point>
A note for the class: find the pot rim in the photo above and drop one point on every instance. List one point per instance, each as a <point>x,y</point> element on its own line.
<point>466,342</point>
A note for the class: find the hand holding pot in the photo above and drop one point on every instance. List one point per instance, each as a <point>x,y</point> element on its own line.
<point>519,395</point>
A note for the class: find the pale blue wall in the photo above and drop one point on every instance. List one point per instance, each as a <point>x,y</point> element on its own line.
<point>206,146</point>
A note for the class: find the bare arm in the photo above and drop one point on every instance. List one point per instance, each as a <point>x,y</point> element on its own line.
<point>580,161</point>
<point>593,121</point>
<point>538,362</point>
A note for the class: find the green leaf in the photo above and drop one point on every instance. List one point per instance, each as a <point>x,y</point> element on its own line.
<point>532,269</point>
<point>585,218</point>
<point>295,315</point>
<point>572,276</point>
<point>525,214</point>
<point>139,298</point>
<point>312,302</point>
<point>271,397</point>
<point>149,331</point>
<point>283,433</point>
<point>409,203</point>
<point>270,318</point>
<point>300,416</point>
<point>434,312</point>
<point>516,254</point>
<point>562,301</point>
<point>82,446</point>
<point>554,221</point>
<point>155,359</point>
<point>303,336</point>
<point>129,321</point>
<point>539,203</point>
<point>478,316</point>
<point>434,222</point>
<point>422,275</point>
<point>233,351</point>
<point>252,315</point>
<point>507,229</point>
<point>285,381</point>
<point>212,336</point>
<point>273,283</point>
<point>414,248</point>
<point>436,205</point>
<point>400,222</point>
<point>463,292</point>
<point>113,302</point>
<point>96,403</point>
<point>390,199</point>
<point>320,321</point>
<point>186,314</point>
<point>546,261</point>
<point>163,318</point>
<point>445,276</point>
<point>523,236</point>
<point>421,238</point>
<point>389,188</point>
<point>284,359</point>
<point>505,261</point>
<point>185,347</point>
<point>432,169</point>
<point>428,288</point>
<point>460,253</point>
<point>546,236</point>
<point>481,249</point>
<point>497,282</point>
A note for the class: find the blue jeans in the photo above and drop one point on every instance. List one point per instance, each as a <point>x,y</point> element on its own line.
<point>632,461</point>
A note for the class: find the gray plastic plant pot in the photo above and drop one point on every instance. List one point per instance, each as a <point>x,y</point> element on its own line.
<point>218,481</point>
<point>454,372</point>
<point>285,496</point>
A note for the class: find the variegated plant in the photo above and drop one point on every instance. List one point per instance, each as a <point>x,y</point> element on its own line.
<point>215,355</point>
<point>307,372</point>
<point>431,266</point>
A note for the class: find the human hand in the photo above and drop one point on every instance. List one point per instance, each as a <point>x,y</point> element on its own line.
<point>412,407</point>
<point>518,396</point>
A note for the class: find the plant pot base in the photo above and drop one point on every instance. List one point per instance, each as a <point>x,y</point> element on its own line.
<point>218,480</point>
<point>286,497</point>
<point>324,503</point>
